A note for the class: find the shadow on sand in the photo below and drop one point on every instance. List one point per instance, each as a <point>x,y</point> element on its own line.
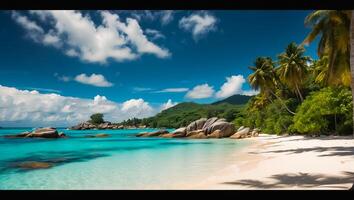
<point>331,151</point>
<point>323,137</point>
<point>303,180</point>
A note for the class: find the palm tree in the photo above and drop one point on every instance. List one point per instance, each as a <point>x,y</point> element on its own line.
<point>337,42</point>
<point>351,30</point>
<point>264,78</point>
<point>333,27</point>
<point>319,69</point>
<point>293,68</point>
<point>259,102</point>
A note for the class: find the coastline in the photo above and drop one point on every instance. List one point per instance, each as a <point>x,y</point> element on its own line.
<point>264,162</point>
<point>287,162</point>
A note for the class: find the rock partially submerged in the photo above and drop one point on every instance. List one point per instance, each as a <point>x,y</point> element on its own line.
<point>192,134</point>
<point>196,125</point>
<point>199,134</point>
<point>206,128</point>
<point>34,165</point>
<point>210,128</point>
<point>181,131</point>
<point>152,134</point>
<point>47,132</point>
<point>201,129</point>
<point>20,135</point>
<point>226,129</point>
<point>245,132</point>
<point>100,135</point>
<point>62,135</point>
<point>178,133</point>
<point>216,134</point>
<point>105,125</point>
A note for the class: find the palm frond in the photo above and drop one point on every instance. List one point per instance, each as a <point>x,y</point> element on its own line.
<point>315,16</point>
<point>317,29</point>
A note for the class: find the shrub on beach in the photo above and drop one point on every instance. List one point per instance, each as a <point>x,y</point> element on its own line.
<point>326,111</point>
<point>273,118</point>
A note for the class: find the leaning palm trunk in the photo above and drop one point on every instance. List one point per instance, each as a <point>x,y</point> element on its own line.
<point>299,93</point>
<point>271,101</point>
<point>281,101</point>
<point>352,58</point>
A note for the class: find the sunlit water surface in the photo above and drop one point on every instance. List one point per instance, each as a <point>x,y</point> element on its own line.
<point>121,161</point>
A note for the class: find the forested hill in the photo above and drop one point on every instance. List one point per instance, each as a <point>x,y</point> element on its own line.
<point>184,113</point>
<point>236,99</point>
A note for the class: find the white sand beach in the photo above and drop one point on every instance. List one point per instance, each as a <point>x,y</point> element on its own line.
<point>288,162</point>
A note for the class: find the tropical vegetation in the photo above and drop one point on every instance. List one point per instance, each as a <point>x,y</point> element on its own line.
<point>184,113</point>
<point>297,94</point>
<point>96,118</point>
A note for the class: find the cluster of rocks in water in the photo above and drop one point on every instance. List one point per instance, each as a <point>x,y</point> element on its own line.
<point>47,132</point>
<point>100,135</point>
<point>106,125</point>
<point>33,165</point>
<point>200,129</point>
<point>50,132</point>
<point>205,128</point>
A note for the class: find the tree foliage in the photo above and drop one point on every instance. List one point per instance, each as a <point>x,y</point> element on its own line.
<point>325,111</point>
<point>333,28</point>
<point>184,113</point>
<point>97,118</point>
<point>299,84</point>
<point>272,119</point>
<point>316,89</point>
<point>293,67</point>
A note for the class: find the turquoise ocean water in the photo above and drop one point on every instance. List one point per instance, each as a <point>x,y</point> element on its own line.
<point>121,161</point>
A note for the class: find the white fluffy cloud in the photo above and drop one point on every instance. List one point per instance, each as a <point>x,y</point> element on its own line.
<point>25,107</point>
<point>165,16</point>
<point>200,92</point>
<point>77,35</point>
<point>36,32</point>
<point>43,89</point>
<point>198,23</point>
<point>137,107</point>
<point>62,77</point>
<point>250,92</point>
<point>31,26</point>
<point>168,105</point>
<point>97,80</point>
<point>155,34</point>
<point>233,85</point>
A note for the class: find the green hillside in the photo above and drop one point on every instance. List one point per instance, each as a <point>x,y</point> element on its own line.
<point>236,99</point>
<point>184,113</point>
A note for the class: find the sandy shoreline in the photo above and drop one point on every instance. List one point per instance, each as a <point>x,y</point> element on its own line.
<point>288,162</point>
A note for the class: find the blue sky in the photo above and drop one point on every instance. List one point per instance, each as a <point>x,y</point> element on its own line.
<point>154,56</point>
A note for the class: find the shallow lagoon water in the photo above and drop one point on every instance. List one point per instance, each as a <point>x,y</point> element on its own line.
<point>121,161</point>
